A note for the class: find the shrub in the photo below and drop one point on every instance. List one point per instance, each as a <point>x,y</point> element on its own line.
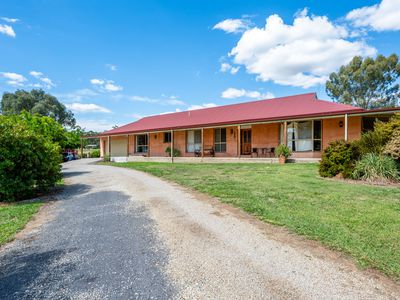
<point>392,148</point>
<point>107,158</point>
<point>339,158</point>
<point>95,153</point>
<point>375,141</point>
<point>283,150</point>
<point>373,167</point>
<point>176,152</point>
<point>29,160</point>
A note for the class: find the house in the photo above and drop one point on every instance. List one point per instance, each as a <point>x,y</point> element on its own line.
<point>254,129</point>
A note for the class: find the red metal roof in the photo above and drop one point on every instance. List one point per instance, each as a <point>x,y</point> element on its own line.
<point>284,108</point>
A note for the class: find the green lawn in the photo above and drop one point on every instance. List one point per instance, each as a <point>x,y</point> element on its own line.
<point>360,220</point>
<point>13,217</point>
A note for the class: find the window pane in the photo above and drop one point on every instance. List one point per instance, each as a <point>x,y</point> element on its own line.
<point>304,130</point>
<point>317,129</point>
<point>197,136</point>
<point>223,135</point>
<point>217,137</point>
<point>167,137</point>
<point>223,148</point>
<point>317,145</point>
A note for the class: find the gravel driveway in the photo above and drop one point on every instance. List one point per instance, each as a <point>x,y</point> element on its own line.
<point>121,234</point>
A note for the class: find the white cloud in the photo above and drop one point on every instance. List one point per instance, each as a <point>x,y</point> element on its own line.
<point>111,67</point>
<point>87,108</point>
<point>46,82</point>
<point>200,106</point>
<point>225,67</point>
<point>174,102</point>
<point>10,20</point>
<point>110,86</point>
<point>36,74</point>
<point>232,25</point>
<point>96,125</point>
<point>143,99</point>
<point>96,81</point>
<point>380,17</point>
<point>77,95</point>
<point>7,30</point>
<point>232,93</point>
<point>14,79</point>
<point>301,55</point>
<point>106,85</point>
<point>171,112</point>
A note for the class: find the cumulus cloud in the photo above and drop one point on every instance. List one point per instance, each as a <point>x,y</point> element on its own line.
<point>106,85</point>
<point>232,25</point>
<point>96,81</point>
<point>380,17</point>
<point>45,81</point>
<point>35,74</point>
<point>7,30</point>
<point>225,67</point>
<point>200,106</point>
<point>302,54</point>
<point>14,79</point>
<point>10,20</point>
<point>232,93</point>
<point>87,108</point>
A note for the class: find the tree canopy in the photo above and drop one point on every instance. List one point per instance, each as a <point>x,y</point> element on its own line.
<point>367,82</point>
<point>37,102</point>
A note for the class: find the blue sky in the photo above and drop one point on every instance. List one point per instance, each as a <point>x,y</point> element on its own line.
<point>112,62</point>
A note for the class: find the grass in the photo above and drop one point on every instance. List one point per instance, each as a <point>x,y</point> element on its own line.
<point>360,220</point>
<point>13,218</point>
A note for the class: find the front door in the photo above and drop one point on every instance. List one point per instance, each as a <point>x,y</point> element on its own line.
<point>246,141</point>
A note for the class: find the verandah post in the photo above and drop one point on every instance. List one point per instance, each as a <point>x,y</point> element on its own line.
<point>238,141</point>
<point>202,142</point>
<point>172,146</point>
<point>346,127</point>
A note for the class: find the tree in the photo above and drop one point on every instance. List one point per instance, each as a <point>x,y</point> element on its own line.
<point>37,102</point>
<point>367,82</point>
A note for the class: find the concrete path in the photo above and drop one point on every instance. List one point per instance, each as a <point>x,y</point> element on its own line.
<point>121,234</point>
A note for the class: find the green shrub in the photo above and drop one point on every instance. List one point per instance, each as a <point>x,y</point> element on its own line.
<point>392,148</point>
<point>95,153</point>
<point>283,150</point>
<point>176,152</point>
<point>29,159</point>
<point>339,158</point>
<point>107,158</point>
<point>375,141</point>
<point>373,167</point>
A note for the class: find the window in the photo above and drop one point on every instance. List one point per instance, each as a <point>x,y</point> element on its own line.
<point>220,140</point>
<point>167,137</point>
<point>141,143</point>
<point>304,135</point>
<point>193,141</point>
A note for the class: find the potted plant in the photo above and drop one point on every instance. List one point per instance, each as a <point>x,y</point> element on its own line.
<point>283,152</point>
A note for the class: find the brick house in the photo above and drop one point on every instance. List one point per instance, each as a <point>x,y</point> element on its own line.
<point>254,129</point>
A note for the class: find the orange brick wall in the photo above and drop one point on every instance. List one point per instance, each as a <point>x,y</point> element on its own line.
<point>331,131</point>
<point>265,135</point>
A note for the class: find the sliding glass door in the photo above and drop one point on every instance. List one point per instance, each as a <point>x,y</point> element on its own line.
<point>303,135</point>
